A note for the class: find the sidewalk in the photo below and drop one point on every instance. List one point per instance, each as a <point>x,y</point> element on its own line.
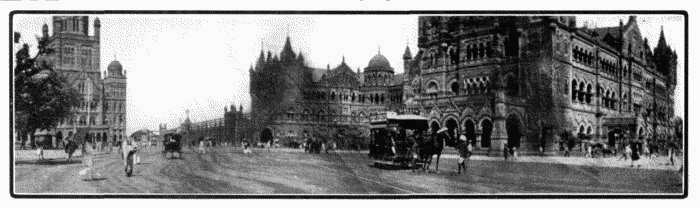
<point>31,155</point>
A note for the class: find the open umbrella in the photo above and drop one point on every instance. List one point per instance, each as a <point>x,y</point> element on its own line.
<point>442,130</point>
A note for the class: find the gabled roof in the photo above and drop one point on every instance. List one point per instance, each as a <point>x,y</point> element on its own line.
<point>318,73</point>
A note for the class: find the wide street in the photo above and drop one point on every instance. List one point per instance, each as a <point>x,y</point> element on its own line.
<point>288,171</point>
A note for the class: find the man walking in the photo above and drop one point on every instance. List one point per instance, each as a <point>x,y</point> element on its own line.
<point>464,149</point>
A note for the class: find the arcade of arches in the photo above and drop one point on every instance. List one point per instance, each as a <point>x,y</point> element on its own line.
<point>479,135</point>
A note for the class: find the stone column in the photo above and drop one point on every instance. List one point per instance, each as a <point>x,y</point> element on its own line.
<point>499,134</point>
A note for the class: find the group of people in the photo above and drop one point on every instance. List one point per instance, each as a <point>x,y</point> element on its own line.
<point>313,145</point>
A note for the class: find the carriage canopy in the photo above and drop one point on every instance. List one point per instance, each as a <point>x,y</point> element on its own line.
<point>391,120</point>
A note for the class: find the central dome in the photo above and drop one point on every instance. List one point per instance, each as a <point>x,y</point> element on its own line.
<point>114,66</point>
<point>379,62</point>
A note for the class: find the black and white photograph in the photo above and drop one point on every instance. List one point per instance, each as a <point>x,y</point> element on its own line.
<point>348,104</point>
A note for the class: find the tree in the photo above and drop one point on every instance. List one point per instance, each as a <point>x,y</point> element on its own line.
<point>42,97</point>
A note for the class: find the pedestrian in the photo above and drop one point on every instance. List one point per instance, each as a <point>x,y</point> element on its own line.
<point>246,148</point>
<point>635,153</point>
<point>464,149</point>
<point>572,144</point>
<point>514,153</point>
<point>505,151</point>
<point>202,148</point>
<point>645,149</point>
<point>87,154</point>
<point>40,149</point>
<point>671,152</point>
<point>589,150</point>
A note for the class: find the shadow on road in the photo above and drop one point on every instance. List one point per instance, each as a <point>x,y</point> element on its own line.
<point>48,162</point>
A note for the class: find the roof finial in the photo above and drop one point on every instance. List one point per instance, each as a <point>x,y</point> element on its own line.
<point>343,58</point>
<point>379,49</point>
<point>287,29</point>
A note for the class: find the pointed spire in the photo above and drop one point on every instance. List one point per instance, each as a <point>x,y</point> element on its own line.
<point>379,49</point>
<point>662,38</point>
<point>407,53</point>
<point>343,59</point>
<point>287,53</point>
<point>261,59</point>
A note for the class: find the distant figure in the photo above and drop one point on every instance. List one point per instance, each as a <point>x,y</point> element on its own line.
<point>88,160</point>
<point>246,148</point>
<point>589,150</point>
<point>671,152</point>
<point>505,151</point>
<point>40,149</point>
<point>70,148</point>
<point>202,148</point>
<point>635,153</point>
<point>514,152</point>
<point>645,149</point>
<point>464,149</point>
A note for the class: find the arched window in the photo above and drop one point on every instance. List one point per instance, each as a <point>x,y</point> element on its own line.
<point>353,97</point>
<point>574,90</point>
<point>589,93</point>
<point>333,95</point>
<point>455,88</point>
<point>93,120</point>
<point>482,50</point>
<point>606,99</point>
<point>612,100</point>
<point>432,89</point>
<point>469,52</point>
<point>589,131</point>
<point>582,91</point>
<point>383,98</point>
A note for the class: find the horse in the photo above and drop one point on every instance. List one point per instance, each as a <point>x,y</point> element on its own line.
<point>431,146</point>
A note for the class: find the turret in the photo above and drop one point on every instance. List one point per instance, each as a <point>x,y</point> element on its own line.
<point>407,61</point>
<point>97,26</point>
<point>45,31</point>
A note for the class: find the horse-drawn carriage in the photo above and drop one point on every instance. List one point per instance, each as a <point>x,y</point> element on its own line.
<point>171,145</point>
<point>394,139</point>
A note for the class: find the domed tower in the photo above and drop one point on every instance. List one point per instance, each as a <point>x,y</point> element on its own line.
<point>378,71</point>
<point>115,94</point>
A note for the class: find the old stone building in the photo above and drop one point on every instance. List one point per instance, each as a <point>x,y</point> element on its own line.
<point>232,128</point>
<point>292,101</point>
<point>102,110</point>
<point>525,80</point>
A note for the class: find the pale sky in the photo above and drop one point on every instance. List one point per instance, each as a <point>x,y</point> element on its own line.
<point>201,62</point>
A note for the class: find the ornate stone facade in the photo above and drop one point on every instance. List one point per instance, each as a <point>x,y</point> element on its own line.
<point>291,101</point>
<point>103,95</point>
<point>525,80</point>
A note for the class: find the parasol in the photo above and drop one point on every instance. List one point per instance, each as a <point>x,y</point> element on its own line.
<point>442,130</point>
